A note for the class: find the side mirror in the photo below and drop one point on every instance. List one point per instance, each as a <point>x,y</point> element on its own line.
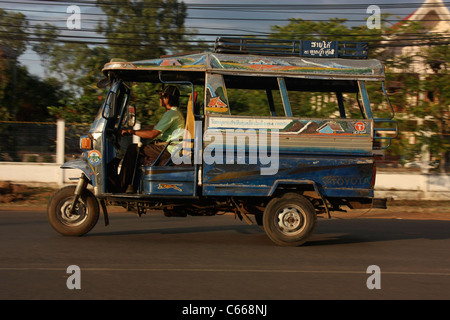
<point>131,116</point>
<point>109,107</point>
<point>106,111</point>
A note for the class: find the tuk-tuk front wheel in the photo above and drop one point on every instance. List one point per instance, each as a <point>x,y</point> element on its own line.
<point>289,220</point>
<point>72,222</point>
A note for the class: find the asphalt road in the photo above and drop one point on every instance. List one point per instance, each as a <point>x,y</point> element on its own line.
<point>220,258</point>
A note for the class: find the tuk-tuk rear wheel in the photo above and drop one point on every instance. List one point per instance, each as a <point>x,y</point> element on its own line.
<point>74,222</point>
<point>289,220</point>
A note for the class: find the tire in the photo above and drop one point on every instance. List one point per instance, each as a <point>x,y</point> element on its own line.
<point>289,220</point>
<point>86,217</point>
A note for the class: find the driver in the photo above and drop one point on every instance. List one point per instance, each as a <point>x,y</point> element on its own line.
<point>169,128</point>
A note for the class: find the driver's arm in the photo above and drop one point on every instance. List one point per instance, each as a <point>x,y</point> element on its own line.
<point>143,133</point>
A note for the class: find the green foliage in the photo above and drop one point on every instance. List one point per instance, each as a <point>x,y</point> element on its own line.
<point>146,100</point>
<point>423,96</point>
<point>81,109</point>
<point>13,31</point>
<point>143,29</point>
<point>248,102</point>
<point>23,96</point>
<point>412,95</point>
<point>3,78</point>
<point>27,97</point>
<point>133,31</point>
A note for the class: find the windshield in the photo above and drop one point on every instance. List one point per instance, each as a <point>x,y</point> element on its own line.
<point>113,108</point>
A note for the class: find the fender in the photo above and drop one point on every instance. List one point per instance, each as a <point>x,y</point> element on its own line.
<point>316,187</point>
<point>82,165</point>
<point>295,182</point>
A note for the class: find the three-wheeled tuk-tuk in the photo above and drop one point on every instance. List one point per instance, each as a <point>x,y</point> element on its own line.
<point>277,167</point>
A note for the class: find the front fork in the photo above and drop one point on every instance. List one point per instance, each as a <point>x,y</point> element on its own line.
<point>81,187</point>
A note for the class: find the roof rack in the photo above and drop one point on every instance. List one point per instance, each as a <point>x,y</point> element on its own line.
<point>299,48</point>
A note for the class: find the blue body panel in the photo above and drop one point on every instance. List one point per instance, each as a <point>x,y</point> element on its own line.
<point>334,155</point>
<point>333,176</point>
<point>178,181</point>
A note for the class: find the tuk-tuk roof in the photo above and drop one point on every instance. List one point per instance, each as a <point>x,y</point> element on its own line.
<point>257,65</point>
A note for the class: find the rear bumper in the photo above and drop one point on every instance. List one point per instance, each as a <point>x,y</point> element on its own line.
<point>365,203</point>
<point>379,203</point>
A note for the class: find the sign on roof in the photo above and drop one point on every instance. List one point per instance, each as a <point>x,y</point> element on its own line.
<point>319,49</point>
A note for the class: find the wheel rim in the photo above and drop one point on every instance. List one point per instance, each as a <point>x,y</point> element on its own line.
<point>75,218</point>
<point>290,220</point>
